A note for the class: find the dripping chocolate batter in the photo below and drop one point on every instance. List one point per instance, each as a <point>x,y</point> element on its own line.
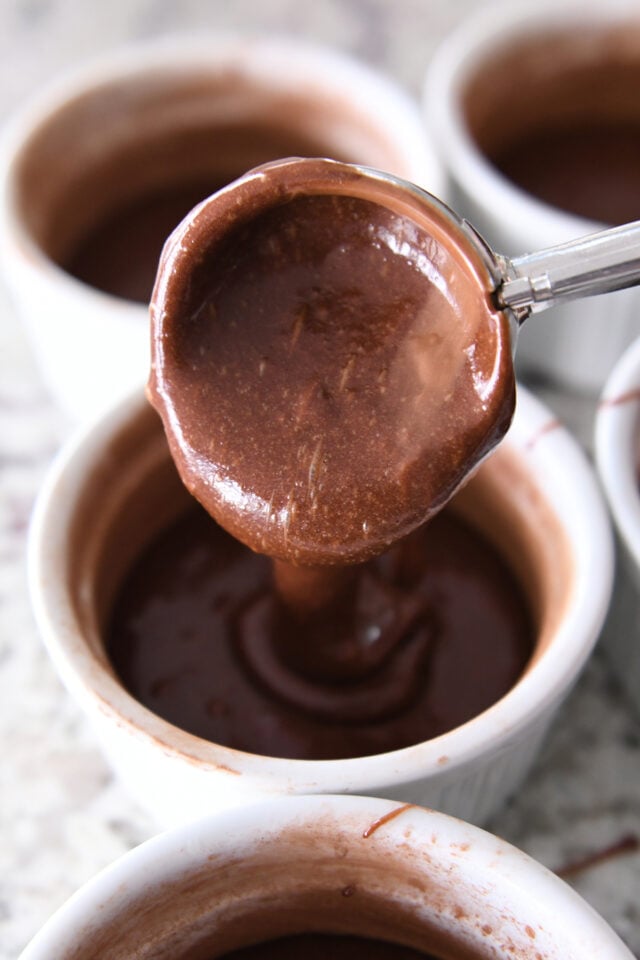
<point>327,362</point>
<point>329,369</point>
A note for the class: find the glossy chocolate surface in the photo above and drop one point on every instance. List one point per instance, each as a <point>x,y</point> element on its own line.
<point>326,360</point>
<point>432,633</point>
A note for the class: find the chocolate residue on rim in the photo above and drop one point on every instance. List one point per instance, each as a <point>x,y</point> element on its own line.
<point>380,822</point>
<point>629,396</point>
<point>548,427</point>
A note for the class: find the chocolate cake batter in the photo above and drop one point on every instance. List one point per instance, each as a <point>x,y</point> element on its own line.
<point>329,368</point>
<point>318,946</point>
<point>120,254</point>
<point>120,251</point>
<point>328,365</point>
<point>591,170</point>
<point>437,631</point>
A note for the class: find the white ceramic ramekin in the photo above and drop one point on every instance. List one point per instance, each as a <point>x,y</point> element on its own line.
<point>345,865</point>
<point>617,451</point>
<point>115,484</point>
<point>574,344</point>
<point>93,346</point>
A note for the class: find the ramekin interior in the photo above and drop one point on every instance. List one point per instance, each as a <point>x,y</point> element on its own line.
<point>148,115</point>
<point>102,477</point>
<point>489,32</point>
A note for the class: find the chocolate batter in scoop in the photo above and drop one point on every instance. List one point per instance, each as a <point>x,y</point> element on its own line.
<point>326,359</point>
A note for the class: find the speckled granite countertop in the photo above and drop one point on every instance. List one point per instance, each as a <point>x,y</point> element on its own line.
<point>63,816</point>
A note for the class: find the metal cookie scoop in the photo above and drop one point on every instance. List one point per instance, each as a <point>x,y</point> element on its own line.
<point>332,352</point>
<point>599,263</point>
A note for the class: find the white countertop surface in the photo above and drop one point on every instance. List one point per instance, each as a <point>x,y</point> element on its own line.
<point>62,814</point>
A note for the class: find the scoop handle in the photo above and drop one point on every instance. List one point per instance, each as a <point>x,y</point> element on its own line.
<point>598,263</point>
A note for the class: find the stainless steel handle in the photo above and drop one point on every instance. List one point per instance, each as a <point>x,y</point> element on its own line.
<point>598,263</point>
